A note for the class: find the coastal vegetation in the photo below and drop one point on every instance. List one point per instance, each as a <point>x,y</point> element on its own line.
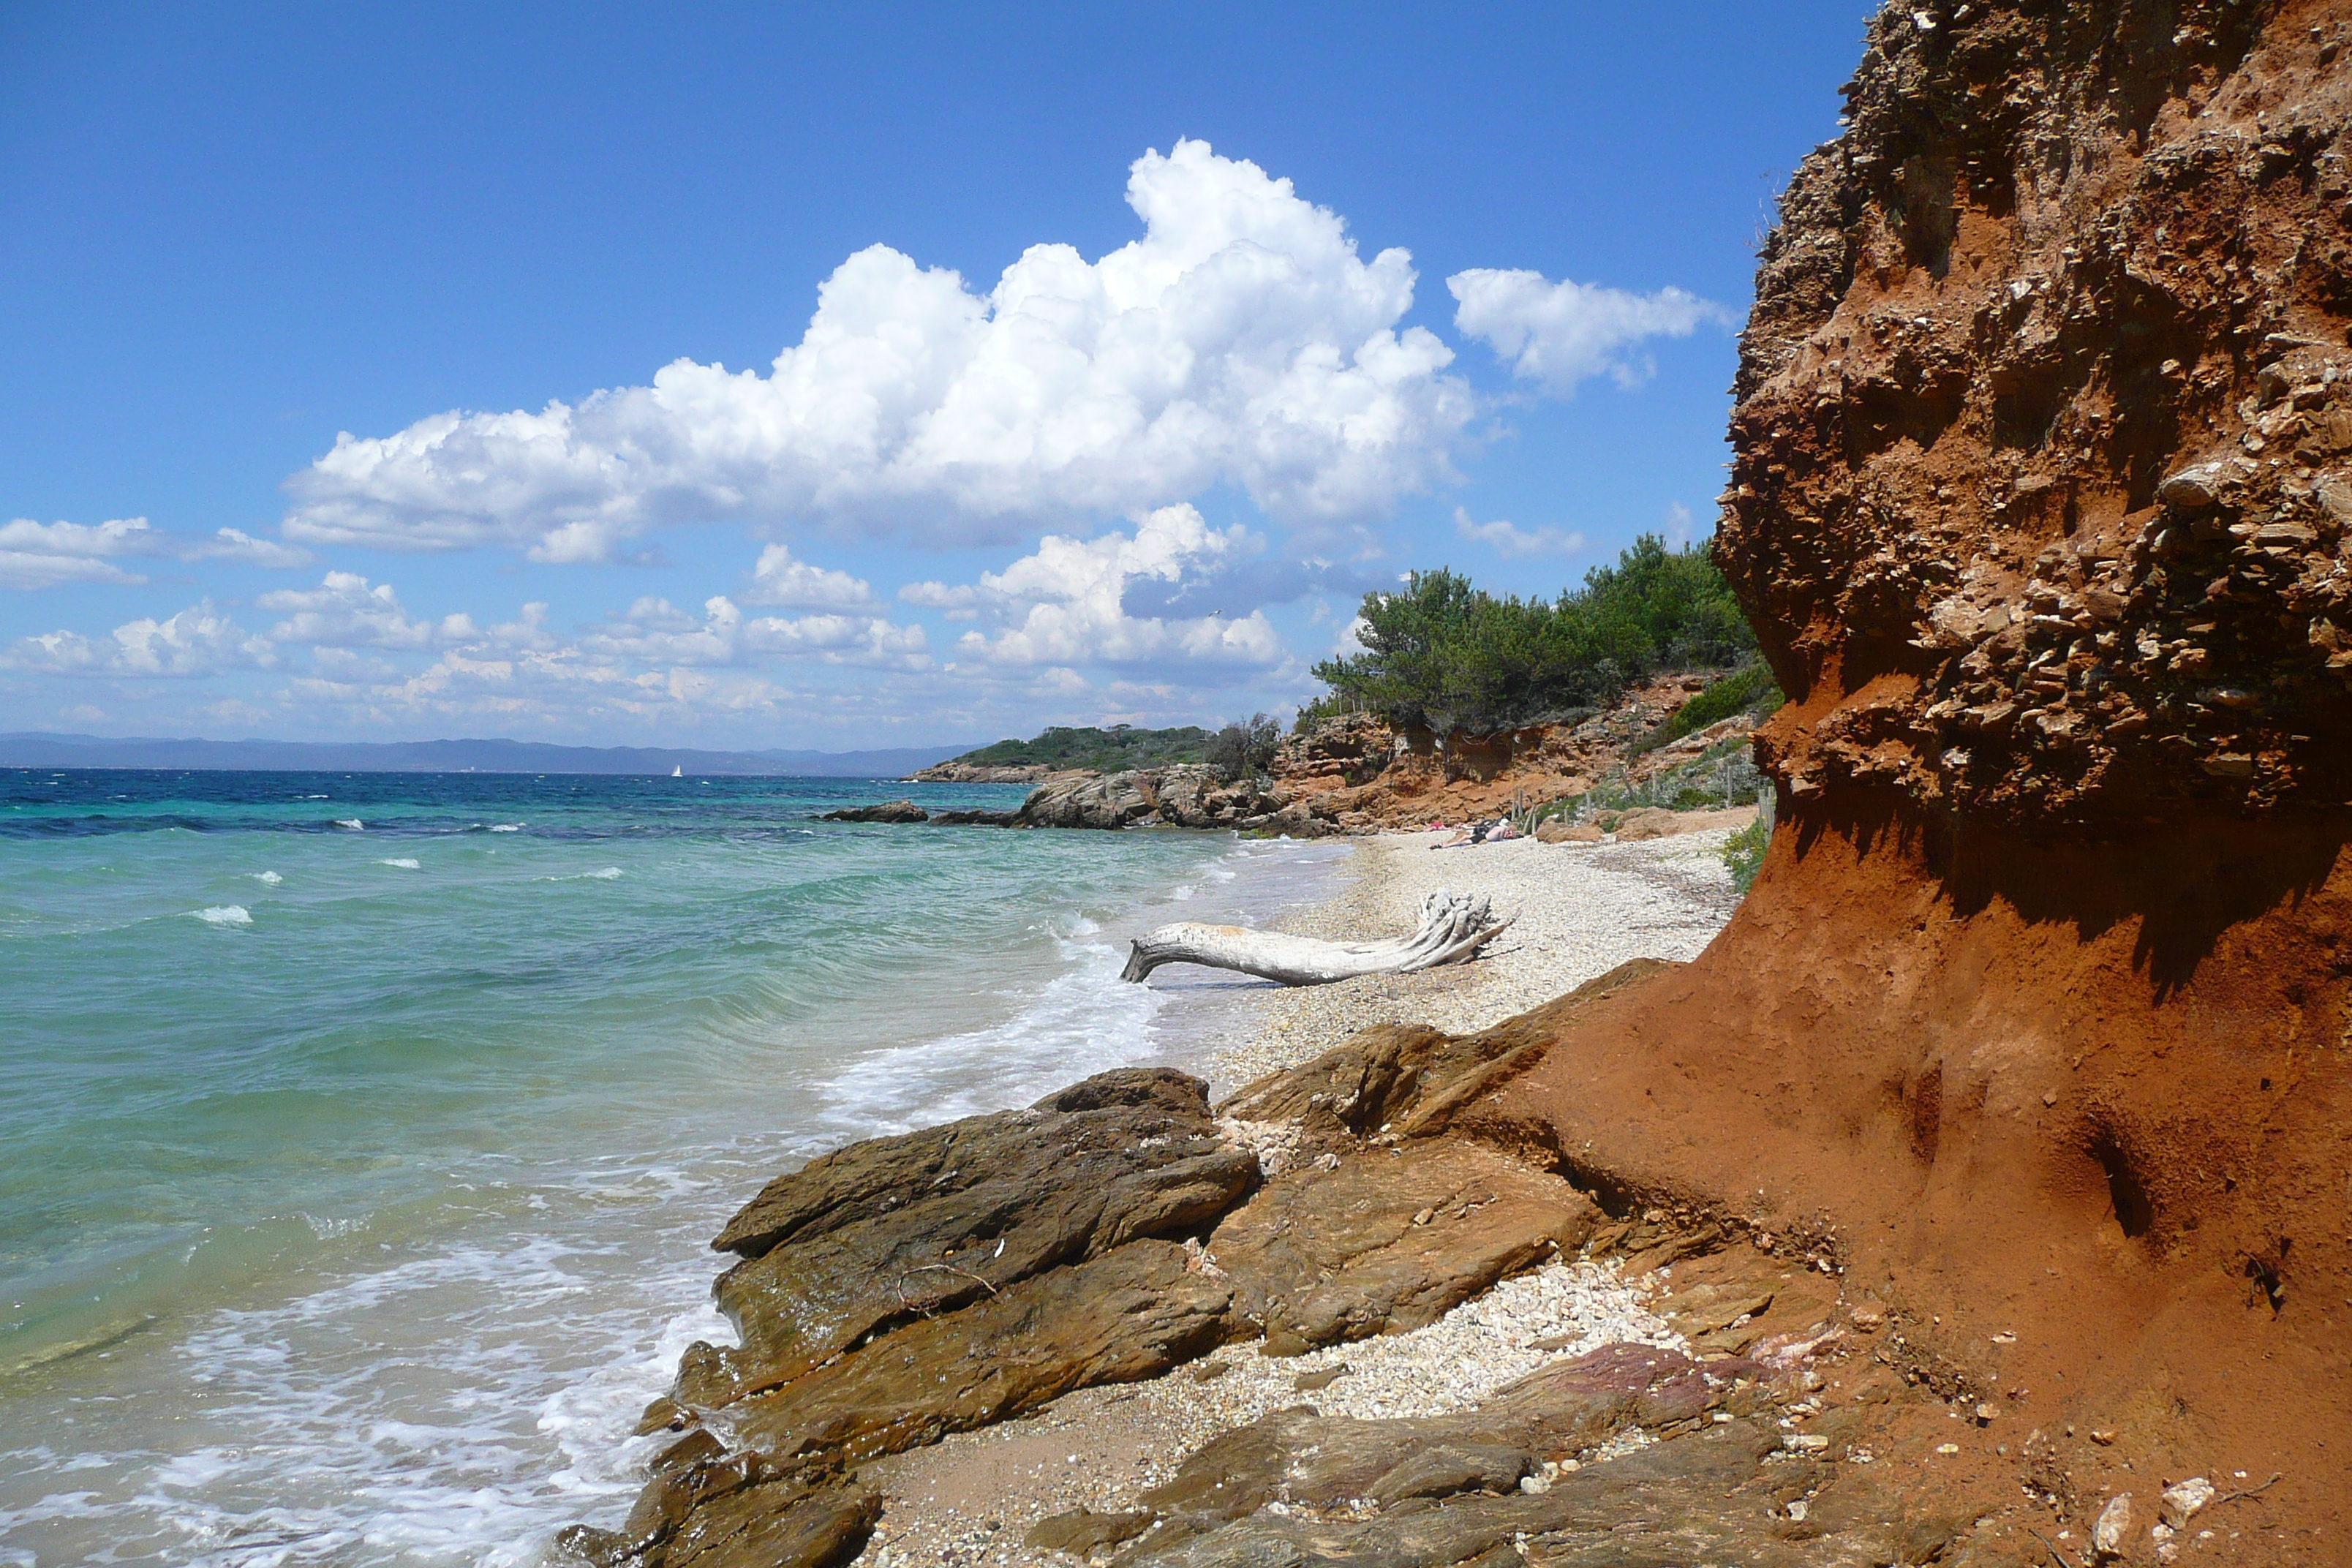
<point>1244,747</point>
<point>1109,751</point>
<point>1441,654</point>
<point>1743,852</point>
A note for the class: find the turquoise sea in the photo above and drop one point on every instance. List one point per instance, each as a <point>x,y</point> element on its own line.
<point>362,1133</point>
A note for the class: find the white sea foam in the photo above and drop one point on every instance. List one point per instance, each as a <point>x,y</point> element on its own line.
<point>506,827</point>
<point>454,1405</point>
<point>608,874</point>
<point>353,822</point>
<point>267,878</point>
<point>1084,1021</point>
<point>402,863</point>
<point>224,915</point>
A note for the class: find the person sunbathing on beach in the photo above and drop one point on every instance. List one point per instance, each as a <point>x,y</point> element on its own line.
<point>1493,832</point>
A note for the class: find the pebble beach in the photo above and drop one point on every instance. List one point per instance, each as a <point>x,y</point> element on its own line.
<point>1580,911</point>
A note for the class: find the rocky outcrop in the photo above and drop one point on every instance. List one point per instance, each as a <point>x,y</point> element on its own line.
<point>986,773</point>
<point>888,811</point>
<point>1391,1181</point>
<point>1352,773</point>
<point>1186,794</point>
<point>903,1289</point>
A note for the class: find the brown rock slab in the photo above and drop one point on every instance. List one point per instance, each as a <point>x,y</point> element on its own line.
<point>1647,822</point>
<point>1446,1469</point>
<point>739,1510</point>
<point>897,1228</point>
<point>1082,1530</point>
<point>1323,1256</point>
<point>1709,1497</point>
<point>1130,1315</point>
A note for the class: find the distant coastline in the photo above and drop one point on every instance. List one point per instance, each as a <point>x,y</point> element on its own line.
<point>33,749</point>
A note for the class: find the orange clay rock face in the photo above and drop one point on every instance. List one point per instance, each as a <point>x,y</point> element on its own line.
<point>2038,1020</point>
<point>2045,430</point>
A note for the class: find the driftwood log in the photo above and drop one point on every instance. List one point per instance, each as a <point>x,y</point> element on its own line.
<point>1454,926</point>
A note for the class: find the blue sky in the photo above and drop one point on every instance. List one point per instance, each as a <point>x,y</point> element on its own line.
<point>1045,398</point>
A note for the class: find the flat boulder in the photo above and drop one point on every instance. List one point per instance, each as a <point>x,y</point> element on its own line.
<point>1130,1315</point>
<point>1386,1241</point>
<point>1083,1530</point>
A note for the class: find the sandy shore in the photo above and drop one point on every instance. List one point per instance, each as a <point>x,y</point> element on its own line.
<point>1581,909</point>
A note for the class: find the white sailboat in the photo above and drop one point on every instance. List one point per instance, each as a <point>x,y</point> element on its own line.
<point>679,772</point>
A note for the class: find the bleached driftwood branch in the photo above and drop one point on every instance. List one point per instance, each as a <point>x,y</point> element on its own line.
<point>1454,926</point>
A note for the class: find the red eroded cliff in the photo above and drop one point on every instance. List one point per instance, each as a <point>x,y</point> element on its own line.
<point>2038,1012</point>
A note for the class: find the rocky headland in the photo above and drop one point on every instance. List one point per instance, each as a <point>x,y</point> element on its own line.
<point>1983,1194</point>
<point>1353,773</point>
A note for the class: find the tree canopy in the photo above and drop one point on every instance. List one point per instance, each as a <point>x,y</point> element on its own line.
<point>1442,654</point>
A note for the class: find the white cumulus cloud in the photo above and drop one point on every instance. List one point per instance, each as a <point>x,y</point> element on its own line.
<point>345,611</point>
<point>1241,339</point>
<point>45,555</point>
<point>1064,604</point>
<point>1557,334</point>
<point>1510,539</point>
<point>48,554</point>
<point>198,641</point>
<point>788,583</point>
<point>655,632</point>
<point>236,544</point>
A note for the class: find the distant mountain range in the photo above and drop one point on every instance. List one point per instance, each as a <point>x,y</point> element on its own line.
<point>26,749</point>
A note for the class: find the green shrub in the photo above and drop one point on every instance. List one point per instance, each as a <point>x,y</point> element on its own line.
<point>1743,852</point>
<point>1443,655</point>
<point>1245,747</point>
<point>1748,687</point>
